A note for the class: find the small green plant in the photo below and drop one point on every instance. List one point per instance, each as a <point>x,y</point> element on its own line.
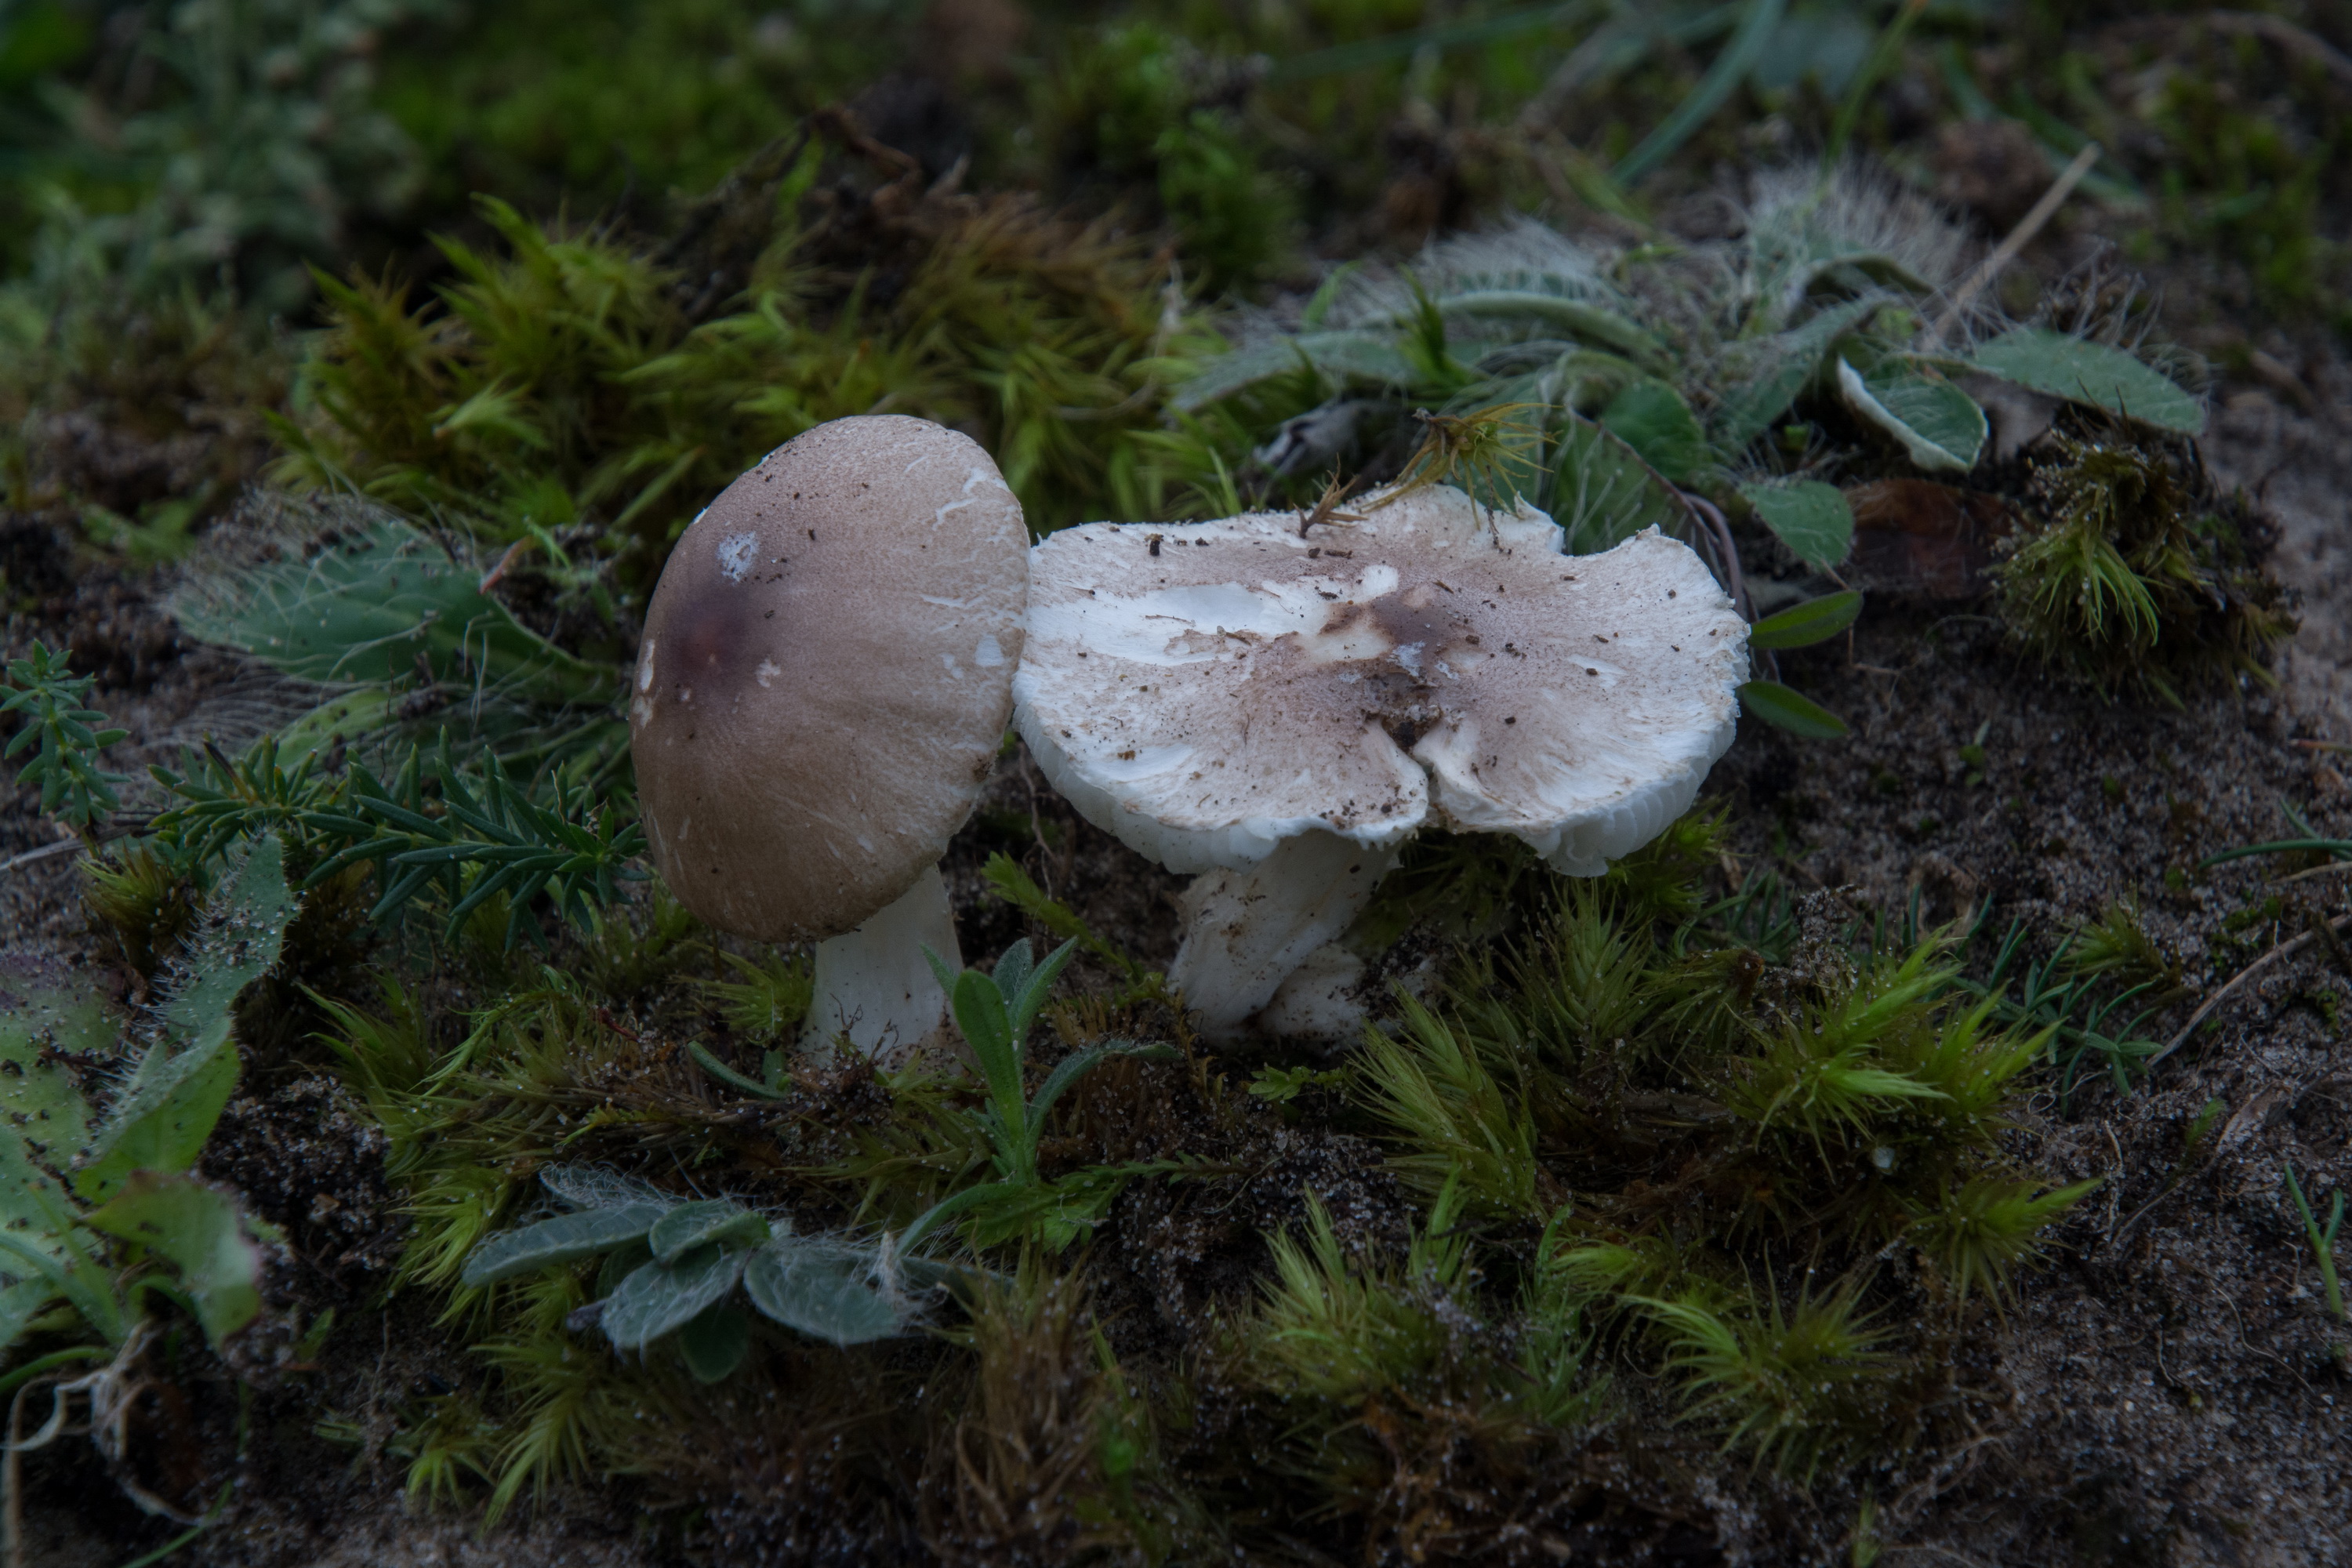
<point>65,737</point>
<point>1342,1330</point>
<point>996,1008</point>
<point>2323,1242</point>
<point>569,849</point>
<point>2085,1025</point>
<point>100,1212</point>
<point>671,1266</point>
<point>766,1000</point>
<point>1982,1232</point>
<point>479,839</point>
<point>1461,1129</point>
<point>1797,1386</point>
<point>2118,947</point>
<point>1281,1086</point>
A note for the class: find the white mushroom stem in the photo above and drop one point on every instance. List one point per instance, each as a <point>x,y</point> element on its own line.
<point>874,984</point>
<point>1246,930</point>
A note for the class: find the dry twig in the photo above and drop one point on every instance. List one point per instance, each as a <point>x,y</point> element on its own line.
<point>2283,949</point>
<point>2019,238</point>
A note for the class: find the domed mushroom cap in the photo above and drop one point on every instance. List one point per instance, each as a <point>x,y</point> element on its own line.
<point>825,675</point>
<point>1205,692</point>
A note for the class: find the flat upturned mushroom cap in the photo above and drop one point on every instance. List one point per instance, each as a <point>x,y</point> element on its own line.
<point>825,675</point>
<point>1207,691</point>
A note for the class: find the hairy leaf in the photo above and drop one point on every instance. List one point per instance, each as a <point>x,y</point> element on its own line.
<point>365,607</point>
<point>1575,320</point>
<point>567,1238</point>
<point>1603,493</point>
<point>824,1292</point>
<point>662,1298</point>
<point>199,1229</point>
<point>2082,372</point>
<point>595,1188</point>
<point>1337,357</point>
<point>1762,376</point>
<point>1937,423</point>
<point>174,1095</point>
<point>711,1220</point>
<point>242,934</point>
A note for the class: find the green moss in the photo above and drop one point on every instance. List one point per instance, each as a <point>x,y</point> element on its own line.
<point>556,106</point>
<point>1685,1118</point>
<point>2128,581</point>
<point>560,391</point>
<point>1136,104</point>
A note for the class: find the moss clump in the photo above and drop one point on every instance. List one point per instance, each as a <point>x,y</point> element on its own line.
<point>2123,577</point>
<point>578,392</point>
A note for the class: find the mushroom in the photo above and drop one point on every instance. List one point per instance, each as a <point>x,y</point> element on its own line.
<point>822,689</point>
<point>1280,703</point>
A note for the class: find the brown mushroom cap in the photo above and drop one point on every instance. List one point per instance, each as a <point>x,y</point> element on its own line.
<point>826,673</point>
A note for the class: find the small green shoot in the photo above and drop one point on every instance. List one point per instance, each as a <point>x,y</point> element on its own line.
<point>995,1009</point>
<point>2116,946</point>
<point>2322,1241</point>
<point>1280,1086</point>
<point>1341,1330</point>
<point>1461,1131</point>
<point>1988,1228</point>
<point>2083,1027</point>
<point>1797,1387</point>
<point>769,998</point>
<point>1973,756</point>
<point>68,735</point>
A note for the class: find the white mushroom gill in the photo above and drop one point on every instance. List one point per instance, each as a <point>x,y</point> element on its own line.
<point>1285,710</point>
